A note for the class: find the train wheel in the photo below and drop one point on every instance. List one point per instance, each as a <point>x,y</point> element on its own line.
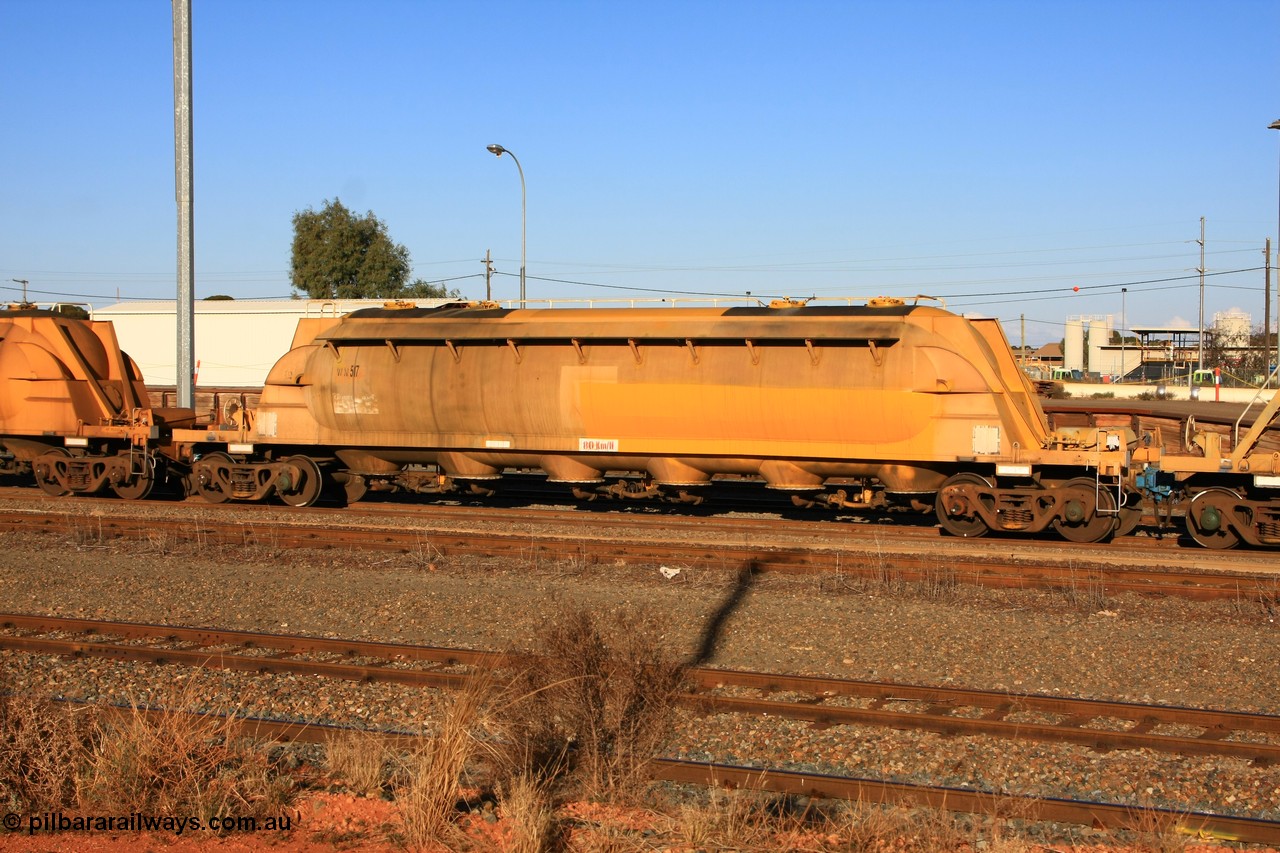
<point>956,516</point>
<point>209,485</point>
<point>1207,519</point>
<point>305,490</point>
<point>1078,524</point>
<point>46,468</point>
<point>139,484</point>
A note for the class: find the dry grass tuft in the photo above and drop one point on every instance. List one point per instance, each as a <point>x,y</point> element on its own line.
<point>173,761</point>
<point>1159,831</point>
<point>527,810</point>
<point>729,819</point>
<point>42,752</point>
<point>1087,592</point>
<point>596,705</point>
<point>360,760</point>
<point>429,790</point>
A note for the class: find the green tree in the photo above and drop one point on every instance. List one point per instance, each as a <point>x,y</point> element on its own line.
<point>338,255</point>
<point>425,290</point>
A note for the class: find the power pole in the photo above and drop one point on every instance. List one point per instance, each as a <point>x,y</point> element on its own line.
<point>488,276</point>
<point>182,141</point>
<point>1024,339</point>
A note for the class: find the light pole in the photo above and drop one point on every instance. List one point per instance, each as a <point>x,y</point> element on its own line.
<point>498,151</point>
<point>1275,125</point>
<point>1124,365</point>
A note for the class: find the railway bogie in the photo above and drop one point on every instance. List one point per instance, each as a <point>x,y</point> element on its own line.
<point>296,480</point>
<point>130,473</point>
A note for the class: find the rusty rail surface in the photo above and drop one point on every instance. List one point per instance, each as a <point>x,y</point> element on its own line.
<point>823,701</point>
<point>806,558</point>
<point>1104,815</point>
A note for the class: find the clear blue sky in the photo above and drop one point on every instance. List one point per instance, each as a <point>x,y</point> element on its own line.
<point>995,154</point>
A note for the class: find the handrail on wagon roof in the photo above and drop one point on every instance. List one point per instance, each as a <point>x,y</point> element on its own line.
<point>706,301</point>
<point>1235,435</point>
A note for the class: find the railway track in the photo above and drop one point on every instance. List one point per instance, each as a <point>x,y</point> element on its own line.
<point>751,547</point>
<point>822,701</point>
<point>425,665</point>
<point>1099,815</point>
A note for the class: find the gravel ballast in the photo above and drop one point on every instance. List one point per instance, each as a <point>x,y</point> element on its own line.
<point>1214,655</point>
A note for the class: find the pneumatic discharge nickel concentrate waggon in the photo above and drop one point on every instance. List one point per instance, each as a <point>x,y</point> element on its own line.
<point>844,406</point>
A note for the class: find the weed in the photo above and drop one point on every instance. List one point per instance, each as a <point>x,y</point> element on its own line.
<point>91,534</point>
<point>424,555</point>
<point>431,785</point>
<point>596,704</point>
<point>940,582</point>
<point>530,817</point>
<point>173,761</point>
<point>1087,594</point>
<point>260,541</point>
<point>359,759</point>
<point>163,542</point>
<point>727,820</point>
<point>1156,831</point>
<point>866,826</point>
<point>1264,602</point>
<point>42,751</point>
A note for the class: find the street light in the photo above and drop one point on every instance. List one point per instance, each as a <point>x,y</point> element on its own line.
<point>498,151</point>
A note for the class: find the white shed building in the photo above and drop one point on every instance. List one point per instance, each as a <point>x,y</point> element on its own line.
<point>236,341</point>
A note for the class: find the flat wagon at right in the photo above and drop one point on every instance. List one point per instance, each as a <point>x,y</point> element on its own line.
<point>1224,480</point>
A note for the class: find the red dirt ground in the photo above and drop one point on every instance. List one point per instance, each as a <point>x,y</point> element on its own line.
<point>325,822</point>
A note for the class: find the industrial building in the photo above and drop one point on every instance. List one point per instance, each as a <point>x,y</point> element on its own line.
<point>236,340</point>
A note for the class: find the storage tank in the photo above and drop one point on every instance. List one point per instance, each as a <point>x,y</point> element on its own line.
<point>1232,328</point>
<point>1099,336</point>
<point>1073,346</point>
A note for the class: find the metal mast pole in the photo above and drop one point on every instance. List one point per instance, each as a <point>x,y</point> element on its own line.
<point>182,138</point>
<point>1200,366</point>
<point>1124,364</point>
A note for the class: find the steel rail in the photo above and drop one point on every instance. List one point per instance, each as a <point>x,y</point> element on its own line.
<point>790,559</point>
<point>933,708</point>
<point>215,650</point>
